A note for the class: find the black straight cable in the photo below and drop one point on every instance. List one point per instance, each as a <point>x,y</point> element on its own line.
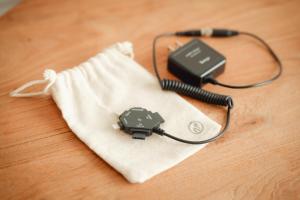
<point>163,133</point>
<point>154,62</point>
<point>258,84</point>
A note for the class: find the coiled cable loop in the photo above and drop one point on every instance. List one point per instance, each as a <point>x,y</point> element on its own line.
<point>196,93</point>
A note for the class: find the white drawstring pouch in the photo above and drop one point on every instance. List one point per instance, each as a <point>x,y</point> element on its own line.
<point>93,94</point>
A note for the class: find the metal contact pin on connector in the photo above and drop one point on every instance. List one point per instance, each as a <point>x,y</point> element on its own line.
<point>170,48</point>
<point>178,44</point>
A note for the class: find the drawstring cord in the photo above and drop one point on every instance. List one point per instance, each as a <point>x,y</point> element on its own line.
<point>49,77</point>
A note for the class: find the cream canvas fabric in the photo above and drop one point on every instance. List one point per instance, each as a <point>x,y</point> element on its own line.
<point>93,94</point>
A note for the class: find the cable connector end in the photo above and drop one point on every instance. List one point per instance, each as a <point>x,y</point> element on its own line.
<point>158,131</point>
<point>209,32</point>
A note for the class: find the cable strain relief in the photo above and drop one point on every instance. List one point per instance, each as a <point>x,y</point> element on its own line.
<point>158,131</point>
<point>210,79</point>
<point>229,102</point>
<point>189,33</point>
<point>224,33</point>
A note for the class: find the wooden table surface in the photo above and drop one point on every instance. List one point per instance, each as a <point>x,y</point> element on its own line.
<point>258,158</point>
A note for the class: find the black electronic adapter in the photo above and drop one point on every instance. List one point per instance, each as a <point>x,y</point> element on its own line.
<point>195,62</point>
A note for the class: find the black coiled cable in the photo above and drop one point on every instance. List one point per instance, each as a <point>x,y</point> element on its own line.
<point>196,93</point>
<point>202,95</point>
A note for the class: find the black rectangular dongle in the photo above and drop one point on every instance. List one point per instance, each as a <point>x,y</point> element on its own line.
<point>195,61</point>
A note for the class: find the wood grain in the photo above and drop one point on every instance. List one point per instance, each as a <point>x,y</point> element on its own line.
<point>258,158</point>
